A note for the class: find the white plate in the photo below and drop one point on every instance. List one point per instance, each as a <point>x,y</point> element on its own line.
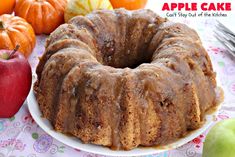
<point>75,143</point>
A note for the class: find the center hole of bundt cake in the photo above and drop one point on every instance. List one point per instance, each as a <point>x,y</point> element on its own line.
<point>127,58</point>
<point>130,62</point>
<point>137,63</point>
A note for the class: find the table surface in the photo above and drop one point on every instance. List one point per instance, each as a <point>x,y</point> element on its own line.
<point>20,136</point>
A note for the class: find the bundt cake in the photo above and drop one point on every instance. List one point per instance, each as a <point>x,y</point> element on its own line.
<point>124,79</point>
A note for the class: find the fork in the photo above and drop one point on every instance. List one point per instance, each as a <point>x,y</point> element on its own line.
<point>226,37</point>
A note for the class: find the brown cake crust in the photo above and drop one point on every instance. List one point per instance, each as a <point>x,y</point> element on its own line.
<point>125,79</point>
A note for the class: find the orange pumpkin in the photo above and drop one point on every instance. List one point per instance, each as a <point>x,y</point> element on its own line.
<point>129,4</point>
<point>16,31</point>
<point>44,15</point>
<point>7,6</point>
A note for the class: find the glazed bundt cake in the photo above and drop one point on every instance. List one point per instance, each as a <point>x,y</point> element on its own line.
<point>124,79</point>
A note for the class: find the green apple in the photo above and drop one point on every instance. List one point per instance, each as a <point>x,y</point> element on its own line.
<point>220,141</point>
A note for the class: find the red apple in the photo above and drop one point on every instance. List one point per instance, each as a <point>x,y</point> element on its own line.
<point>15,82</point>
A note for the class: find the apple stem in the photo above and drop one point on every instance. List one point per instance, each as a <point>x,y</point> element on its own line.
<point>14,51</point>
<point>1,25</point>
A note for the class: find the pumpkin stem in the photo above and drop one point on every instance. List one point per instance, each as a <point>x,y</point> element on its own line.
<point>14,51</point>
<point>1,25</point>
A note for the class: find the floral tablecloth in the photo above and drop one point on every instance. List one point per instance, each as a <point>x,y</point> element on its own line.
<point>20,136</point>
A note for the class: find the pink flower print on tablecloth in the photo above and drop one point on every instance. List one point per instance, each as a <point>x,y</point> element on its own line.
<point>222,116</point>
<point>27,119</point>
<point>198,141</point>
<point>17,144</point>
<point>43,143</point>
<point>20,145</point>
<point>217,51</point>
